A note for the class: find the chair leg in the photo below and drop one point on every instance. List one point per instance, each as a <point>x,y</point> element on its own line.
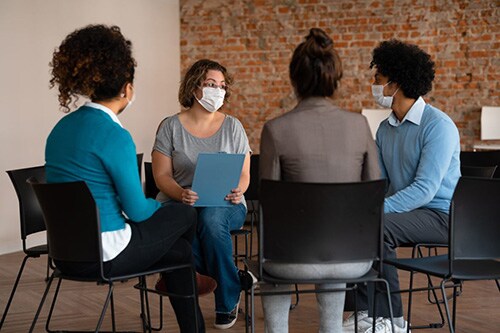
<point>293,306</point>
<point>113,322</point>
<point>47,288</point>
<point>236,253</point>
<point>145,311</point>
<point>388,293</point>
<point>49,317</point>
<point>410,299</point>
<point>109,297</point>
<point>498,286</point>
<point>252,311</point>
<point>14,288</point>
<point>247,316</point>
<point>195,297</point>
<point>446,306</point>
<point>48,268</point>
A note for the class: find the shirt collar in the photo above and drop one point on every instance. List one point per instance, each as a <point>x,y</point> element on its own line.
<point>413,115</point>
<point>105,109</point>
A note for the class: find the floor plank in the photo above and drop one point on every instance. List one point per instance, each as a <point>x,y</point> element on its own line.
<point>478,307</point>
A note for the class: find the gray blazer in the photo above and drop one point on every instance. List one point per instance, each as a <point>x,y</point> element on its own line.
<point>318,142</point>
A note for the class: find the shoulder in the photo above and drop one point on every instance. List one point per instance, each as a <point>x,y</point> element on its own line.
<point>438,124</point>
<point>435,117</point>
<point>168,123</point>
<point>232,122</point>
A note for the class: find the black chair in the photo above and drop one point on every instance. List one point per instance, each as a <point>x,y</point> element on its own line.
<point>466,171</point>
<point>478,171</point>
<point>139,164</point>
<point>481,158</point>
<point>318,223</point>
<point>151,191</point>
<point>31,219</point>
<point>74,234</point>
<point>252,197</point>
<point>252,201</point>
<point>473,248</point>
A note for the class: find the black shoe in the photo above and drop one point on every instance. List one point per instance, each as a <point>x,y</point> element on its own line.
<point>247,279</point>
<point>226,320</point>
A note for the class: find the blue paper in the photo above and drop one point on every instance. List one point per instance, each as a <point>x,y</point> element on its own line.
<point>216,174</point>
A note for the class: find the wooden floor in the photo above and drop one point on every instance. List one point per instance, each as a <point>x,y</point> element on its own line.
<point>79,305</point>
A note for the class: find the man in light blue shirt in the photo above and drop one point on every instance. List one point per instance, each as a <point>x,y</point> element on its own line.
<point>419,149</point>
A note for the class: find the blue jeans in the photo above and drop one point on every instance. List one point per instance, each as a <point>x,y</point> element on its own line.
<point>213,251</point>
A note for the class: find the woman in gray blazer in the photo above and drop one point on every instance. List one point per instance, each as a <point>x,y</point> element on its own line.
<point>315,142</point>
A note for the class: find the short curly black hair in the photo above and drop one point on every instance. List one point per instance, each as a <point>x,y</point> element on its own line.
<point>95,62</point>
<point>405,64</point>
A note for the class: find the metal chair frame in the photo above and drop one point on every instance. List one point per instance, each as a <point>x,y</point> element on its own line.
<point>77,205</point>
<point>278,196</point>
<point>31,222</point>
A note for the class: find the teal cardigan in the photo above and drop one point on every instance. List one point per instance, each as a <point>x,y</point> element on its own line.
<point>88,145</point>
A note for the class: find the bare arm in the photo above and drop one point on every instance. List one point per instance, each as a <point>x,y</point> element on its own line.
<point>163,175</point>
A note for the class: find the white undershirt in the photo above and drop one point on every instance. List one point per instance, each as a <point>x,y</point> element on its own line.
<point>113,242</point>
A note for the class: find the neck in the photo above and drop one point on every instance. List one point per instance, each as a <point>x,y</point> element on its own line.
<point>402,105</point>
<point>113,105</point>
<point>199,115</point>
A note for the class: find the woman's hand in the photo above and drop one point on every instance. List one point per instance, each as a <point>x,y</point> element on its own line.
<point>235,196</point>
<point>189,197</point>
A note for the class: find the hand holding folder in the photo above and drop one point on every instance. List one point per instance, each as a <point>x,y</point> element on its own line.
<point>216,174</point>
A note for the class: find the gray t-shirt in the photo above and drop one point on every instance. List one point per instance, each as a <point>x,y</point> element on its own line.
<point>174,141</point>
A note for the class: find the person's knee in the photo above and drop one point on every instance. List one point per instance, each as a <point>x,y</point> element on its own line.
<point>390,230</point>
<point>212,226</point>
<point>180,252</point>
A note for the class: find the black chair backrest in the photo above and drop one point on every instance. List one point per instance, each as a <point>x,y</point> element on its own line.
<point>139,164</point>
<point>72,220</point>
<point>321,223</point>
<point>150,189</point>
<point>252,192</point>
<point>29,209</point>
<point>481,158</point>
<point>475,219</point>
<point>477,171</point>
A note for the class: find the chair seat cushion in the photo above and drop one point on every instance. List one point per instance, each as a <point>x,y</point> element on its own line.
<point>253,266</point>
<point>439,266</point>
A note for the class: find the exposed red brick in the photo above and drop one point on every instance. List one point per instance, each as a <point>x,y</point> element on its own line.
<point>255,40</point>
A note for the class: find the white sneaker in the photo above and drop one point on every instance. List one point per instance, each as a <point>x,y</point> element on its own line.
<point>364,322</point>
<point>383,325</point>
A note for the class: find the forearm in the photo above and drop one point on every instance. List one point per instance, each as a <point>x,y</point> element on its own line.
<point>169,186</point>
<point>244,182</point>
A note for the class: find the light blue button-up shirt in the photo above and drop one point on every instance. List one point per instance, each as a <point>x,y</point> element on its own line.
<point>420,157</point>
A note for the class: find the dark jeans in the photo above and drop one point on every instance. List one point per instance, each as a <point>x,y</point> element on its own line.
<point>164,238</point>
<point>417,226</point>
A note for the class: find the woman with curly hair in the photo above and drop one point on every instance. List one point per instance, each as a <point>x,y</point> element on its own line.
<point>315,142</point>
<point>201,127</point>
<point>419,150</point>
<point>90,144</point>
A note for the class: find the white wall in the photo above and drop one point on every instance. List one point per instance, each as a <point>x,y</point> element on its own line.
<point>30,30</point>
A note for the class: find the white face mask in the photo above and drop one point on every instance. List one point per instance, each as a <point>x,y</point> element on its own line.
<point>378,94</point>
<point>212,99</point>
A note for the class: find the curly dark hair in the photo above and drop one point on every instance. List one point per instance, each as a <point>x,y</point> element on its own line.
<point>405,64</point>
<point>195,76</point>
<point>315,68</point>
<point>95,61</point>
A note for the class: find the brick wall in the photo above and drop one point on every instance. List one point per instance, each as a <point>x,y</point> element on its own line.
<point>255,41</point>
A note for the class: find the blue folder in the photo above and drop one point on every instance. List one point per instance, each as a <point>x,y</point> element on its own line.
<point>216,174</point>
